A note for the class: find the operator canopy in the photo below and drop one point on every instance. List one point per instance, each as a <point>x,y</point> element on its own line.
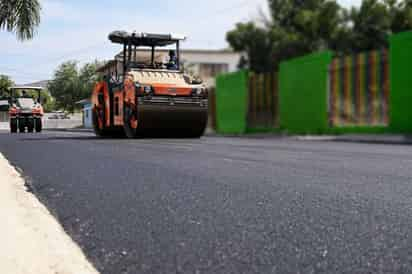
<point>145,39</point>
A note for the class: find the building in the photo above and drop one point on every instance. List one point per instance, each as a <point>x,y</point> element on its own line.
<point>87,113</point>
<point>42,84</point>
<point>206,64</point>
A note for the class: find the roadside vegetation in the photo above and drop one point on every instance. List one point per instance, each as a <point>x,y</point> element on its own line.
<point>295,28</point>
<point>21,17</point>
<point>72,83</point>
<point>5,84</point>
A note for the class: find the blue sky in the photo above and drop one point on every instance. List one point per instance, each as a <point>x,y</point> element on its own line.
<point>77,30</point>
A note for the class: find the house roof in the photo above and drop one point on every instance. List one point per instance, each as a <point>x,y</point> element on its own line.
<point>84,102</point>
<point>108,64</point>
<point>43,84</point>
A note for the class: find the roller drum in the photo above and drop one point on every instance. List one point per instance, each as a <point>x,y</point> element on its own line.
<point>172,120</point>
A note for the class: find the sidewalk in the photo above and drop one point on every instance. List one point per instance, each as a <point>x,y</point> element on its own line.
<point>70,129</point>
<point>32,240</point>
<point>4,126</point>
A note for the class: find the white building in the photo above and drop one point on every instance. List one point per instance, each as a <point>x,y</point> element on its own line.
<point>87,109</point>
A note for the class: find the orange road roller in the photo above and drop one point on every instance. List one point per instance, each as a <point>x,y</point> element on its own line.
<point>143,96</point>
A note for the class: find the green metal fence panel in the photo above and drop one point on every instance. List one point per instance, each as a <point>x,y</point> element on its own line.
<point>303,89</point>
<point>231,102</point>
<point>401,83</point>
<point>359,90</point>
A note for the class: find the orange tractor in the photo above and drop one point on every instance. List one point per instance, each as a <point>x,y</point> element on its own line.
<point>145,96</point>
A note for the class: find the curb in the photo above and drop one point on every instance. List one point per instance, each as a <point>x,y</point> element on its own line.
<point>86,130</point>
<point>365,139</point>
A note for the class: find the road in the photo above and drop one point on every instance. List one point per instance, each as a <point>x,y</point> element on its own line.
<point>225,205</point>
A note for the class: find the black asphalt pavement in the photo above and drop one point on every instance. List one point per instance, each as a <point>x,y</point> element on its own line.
<point>225,205</point>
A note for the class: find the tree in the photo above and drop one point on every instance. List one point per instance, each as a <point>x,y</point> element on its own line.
<point>20,16</point>
<point>64,86</point>
<point>295,28</point>
<point>256,43</point>
<point>48,102</point>
<point>299,27</point>
<point>70,84</point>
<point>5,84</point>
<point>371,25</point>
<point>400,14</point>
<point>88,78</point>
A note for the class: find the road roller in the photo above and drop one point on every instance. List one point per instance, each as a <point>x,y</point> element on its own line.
<point>144,95</point>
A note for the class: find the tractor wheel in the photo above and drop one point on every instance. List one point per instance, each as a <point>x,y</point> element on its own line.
<point>30,125</point>
<point>129,119</point>
<point>196,133</point>
<point>38,125</point>
<point>100,132</point>
<point>22,126</point>
<point>13,125</point>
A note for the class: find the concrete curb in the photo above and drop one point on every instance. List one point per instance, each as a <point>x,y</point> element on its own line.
<point>86,130</point>
<point>386,139</point>
<point>389,139</point>
<point>32,239</point>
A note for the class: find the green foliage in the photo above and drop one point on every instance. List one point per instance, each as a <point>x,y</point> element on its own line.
<point>47,101</point>
<point>71,84</point>
<point>297,27</point>
<point>20,16</point>
<point>5,84</point>
<point>256,42</point>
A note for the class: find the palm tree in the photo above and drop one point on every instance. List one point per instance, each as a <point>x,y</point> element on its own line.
<point>20,16</point>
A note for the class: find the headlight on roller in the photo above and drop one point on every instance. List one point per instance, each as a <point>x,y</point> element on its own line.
<point>197,91</point>
<point>147,89</point>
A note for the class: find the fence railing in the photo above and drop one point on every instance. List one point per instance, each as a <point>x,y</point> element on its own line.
<point>359,90</point>
<point>263,100</point>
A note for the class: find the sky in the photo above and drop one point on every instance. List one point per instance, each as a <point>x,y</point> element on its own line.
<point>78,30</point>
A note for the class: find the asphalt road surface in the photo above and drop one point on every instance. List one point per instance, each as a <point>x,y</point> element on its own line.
<point>225,205</point>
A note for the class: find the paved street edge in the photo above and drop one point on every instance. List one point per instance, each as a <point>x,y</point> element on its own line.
<point>32,239</point>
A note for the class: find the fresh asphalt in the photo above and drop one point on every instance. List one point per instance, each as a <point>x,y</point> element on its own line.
<point>224,205</point>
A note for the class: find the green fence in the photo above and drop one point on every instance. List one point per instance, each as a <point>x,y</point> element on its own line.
<point>401,83</point>
<point>366,93</point>
<point>303,93</point>
<point>231,102</point>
